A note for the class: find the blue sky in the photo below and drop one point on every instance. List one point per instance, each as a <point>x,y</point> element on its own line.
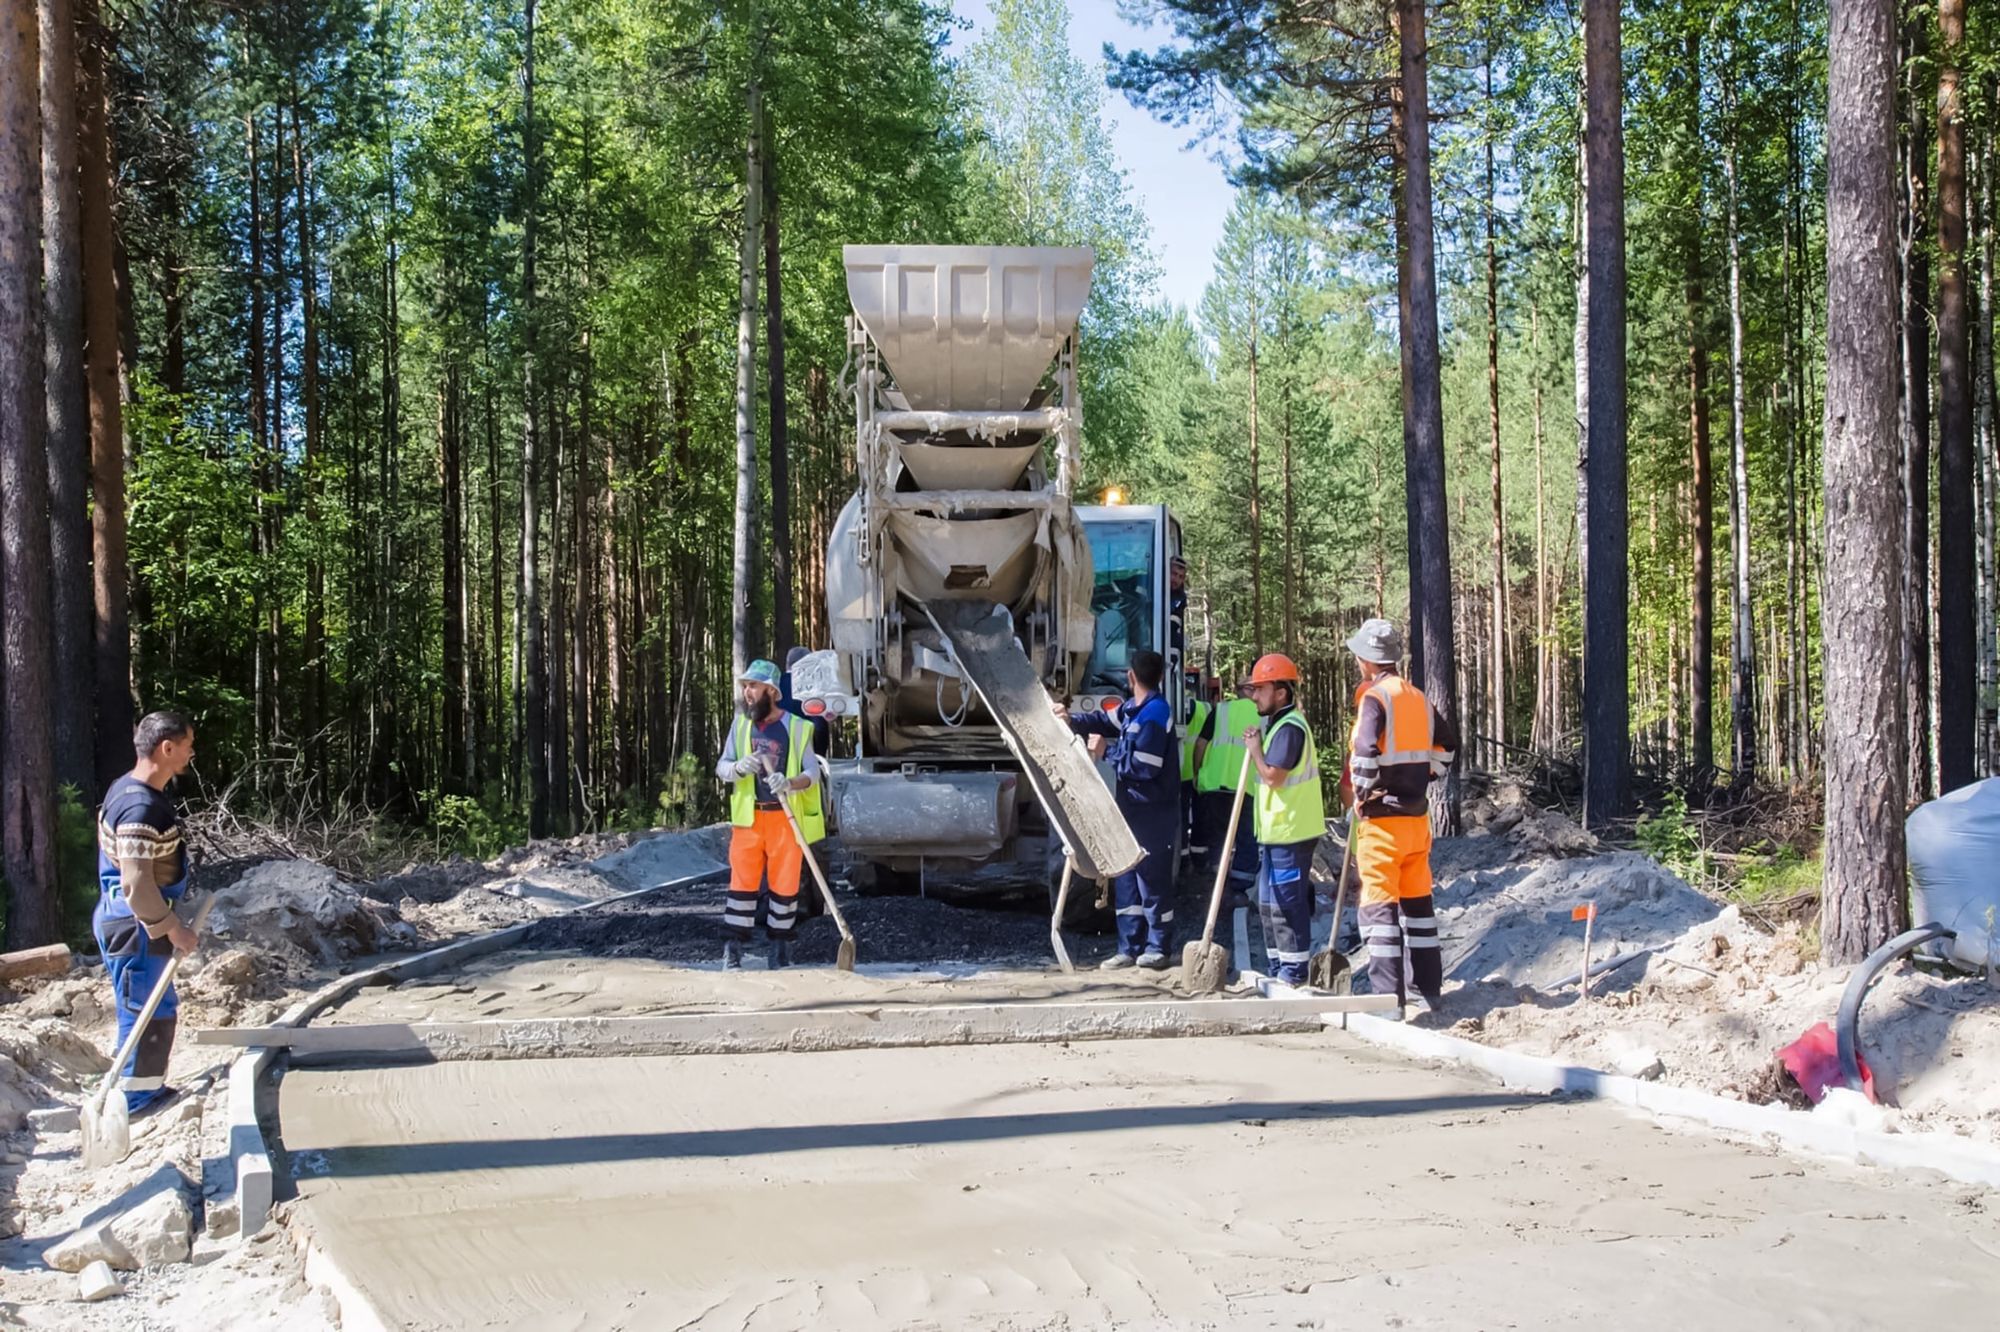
<point>1182,190</point>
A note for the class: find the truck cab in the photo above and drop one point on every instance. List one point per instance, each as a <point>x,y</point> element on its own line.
<point>1136,606</point>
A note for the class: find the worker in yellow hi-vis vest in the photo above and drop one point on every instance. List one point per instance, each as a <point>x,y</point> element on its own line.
<point>767,757</point>
<point>1218,764</point>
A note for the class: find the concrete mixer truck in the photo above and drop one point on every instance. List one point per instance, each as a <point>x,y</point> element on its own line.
<point>966,587</point>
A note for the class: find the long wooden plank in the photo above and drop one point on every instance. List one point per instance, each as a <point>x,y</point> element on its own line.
<point>765,1031</point>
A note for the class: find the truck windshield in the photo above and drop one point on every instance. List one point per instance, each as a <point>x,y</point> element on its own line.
<point>1122,597</point>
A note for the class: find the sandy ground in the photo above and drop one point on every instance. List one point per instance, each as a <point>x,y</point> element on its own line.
<point>1245,1183</point>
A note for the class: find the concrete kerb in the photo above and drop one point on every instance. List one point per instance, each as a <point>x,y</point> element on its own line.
<point>1949,1154</point>
<point>248,1090</point>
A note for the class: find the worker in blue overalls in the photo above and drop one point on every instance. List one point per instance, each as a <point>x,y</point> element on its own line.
<point>1145,757</point>
<point>141,873</point>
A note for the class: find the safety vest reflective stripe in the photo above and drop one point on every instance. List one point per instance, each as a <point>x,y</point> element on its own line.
<point>1195,723</point>
<point>806,804</point>
<point>1222,765</point>
<point>1295,809</point>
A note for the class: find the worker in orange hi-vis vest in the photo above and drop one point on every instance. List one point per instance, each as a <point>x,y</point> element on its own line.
<point>1400,745</point>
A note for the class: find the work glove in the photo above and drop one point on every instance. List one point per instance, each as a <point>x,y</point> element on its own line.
<point>777,785</point>
<point>748,767</point>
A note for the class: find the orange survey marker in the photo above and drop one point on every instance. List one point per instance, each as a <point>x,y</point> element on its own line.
<point>1587,913</point>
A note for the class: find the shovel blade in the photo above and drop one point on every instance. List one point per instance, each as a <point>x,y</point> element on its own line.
<point>107,1131</point>
<point>844,959</point>
<point>1204,967</point>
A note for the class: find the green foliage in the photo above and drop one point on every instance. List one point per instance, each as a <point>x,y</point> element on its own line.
<point>1674,839</point>
<point>478,828</point>
<point>76,867</point>
<point>1785,873</point>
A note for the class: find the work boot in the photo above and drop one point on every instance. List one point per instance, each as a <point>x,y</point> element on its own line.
<point>780,954</point>
<point>1116,962</point>
<point>1153,961</point>
<point>732,955</point>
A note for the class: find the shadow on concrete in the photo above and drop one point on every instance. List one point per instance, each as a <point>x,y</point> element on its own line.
<point>431,1158</point>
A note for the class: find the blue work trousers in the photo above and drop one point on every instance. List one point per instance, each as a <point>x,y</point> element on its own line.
<point>135,964</point>
<point>1144,894</point>
<point>1284,908</point>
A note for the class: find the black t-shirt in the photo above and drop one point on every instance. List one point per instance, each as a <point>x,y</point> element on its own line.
<point>137,822</point>
<point>1284,746</point>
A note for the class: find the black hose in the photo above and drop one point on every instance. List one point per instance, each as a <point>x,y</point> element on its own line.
<point>1847,1030</point>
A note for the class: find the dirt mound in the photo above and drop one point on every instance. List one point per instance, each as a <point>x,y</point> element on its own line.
<point>1512,923</point>
<point>303,914</point>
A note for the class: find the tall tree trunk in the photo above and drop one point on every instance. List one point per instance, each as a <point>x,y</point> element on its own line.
<point>1420,331</point>
<point>264,665</point>
<point>1413,525</point>
<point>27,760</point>
<point>1540,727</point>
<point>535,723</point>
<point>746,640</point>
<point>1743,640</point>
<point>1701,644</point>
<point>1291,581</point>
<point>309,405</point>
<point>1606,709</point>
<point>68,402</point>
<point>113,667</point>
<point>1984,467</point>
<point>1916,421</point>
<point>1498,719</point>
<point>451,467</point>
<point>784,628</point>
<point>1956,632</point>
<point>1256,504</point>
<point>1862,900</point>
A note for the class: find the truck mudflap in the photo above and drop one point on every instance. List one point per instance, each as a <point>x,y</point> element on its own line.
<point>1058,767</point>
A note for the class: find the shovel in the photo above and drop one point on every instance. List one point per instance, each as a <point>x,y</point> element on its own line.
<point>1329,969</point>
<point>845,958</point>
<point>107,1132</point>
<point>1055,920</point>
<point>1205,963</point>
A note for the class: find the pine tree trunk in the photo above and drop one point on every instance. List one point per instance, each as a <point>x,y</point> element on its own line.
<point>1540,731</point>
<point>1420,332</point>
<point>535,724</point>
<point>1256,506</point>
<point>27,761</point>
<point>1862,902</point>
<point>1743,640</point>
<point>1701,644</point>
<point>1957,686</point>
<point>451,469</point>
<point>264,666</point>
<point>1606,602</point>
<point>1984,469</point>
<point>1413,526</point>
<point>68,403</point>
<point>1498,716</point>
<point>1916,423</point>
<point>113,645</point>
<point>784,628</point>
<point>1291,583</point>
<point>315,642</point>
<point>746,640</point>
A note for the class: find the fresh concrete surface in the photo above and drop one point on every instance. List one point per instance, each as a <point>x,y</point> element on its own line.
<point>1293,1181</point>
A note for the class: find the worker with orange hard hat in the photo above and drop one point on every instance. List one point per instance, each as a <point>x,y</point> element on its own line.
<point>1399,746</point>
<point>1291,814</point>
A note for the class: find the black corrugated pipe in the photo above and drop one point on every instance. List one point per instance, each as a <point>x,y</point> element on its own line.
<point>1847,1030</point>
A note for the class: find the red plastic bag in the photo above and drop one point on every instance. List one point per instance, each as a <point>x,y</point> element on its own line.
<point>1813,1060</point>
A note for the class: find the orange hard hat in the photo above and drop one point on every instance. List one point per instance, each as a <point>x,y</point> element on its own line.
<point>1274,668</point>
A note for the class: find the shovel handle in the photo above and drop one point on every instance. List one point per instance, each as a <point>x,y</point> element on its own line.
<point>812,861</point>
<point>1228,853</point>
